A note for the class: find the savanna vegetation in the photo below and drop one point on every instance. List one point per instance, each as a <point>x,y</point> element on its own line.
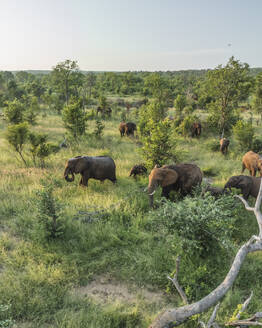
<point>99,256</point>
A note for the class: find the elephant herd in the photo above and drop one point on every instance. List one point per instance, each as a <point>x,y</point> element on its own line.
<point>181,177</point>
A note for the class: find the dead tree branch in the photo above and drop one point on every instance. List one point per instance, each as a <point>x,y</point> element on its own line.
<point>176,283</point>
<point>174,317</point>
<point>244,306</point>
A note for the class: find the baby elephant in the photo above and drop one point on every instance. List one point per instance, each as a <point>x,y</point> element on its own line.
<point>224,143</point>
<point>137,170</point>
<point>214,191</point>
<point>248,185</point>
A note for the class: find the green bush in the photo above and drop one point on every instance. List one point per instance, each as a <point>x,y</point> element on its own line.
<point>49,223</point>
<point>244,132</point>
<point>257,145</point>
<point>213,145</point>
<point>201,230</point>
<point>99,128</point>
<point>74,118</point>
<point>185,128</point>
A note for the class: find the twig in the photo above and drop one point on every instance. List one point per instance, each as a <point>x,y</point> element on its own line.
<point>213,316</point>
<point>244,306</point>
<point>176,283</point>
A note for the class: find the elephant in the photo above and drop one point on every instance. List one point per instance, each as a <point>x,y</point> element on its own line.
<point>127,128</point>
<point>249,186</point>
<point>224,143</point>
<point>137,170</point>
<point>196,129</point>
<point>253,162</point>
<point>214,191</point>
<point>96,167</point>
<point>181,177</point>
<point>122,128</point>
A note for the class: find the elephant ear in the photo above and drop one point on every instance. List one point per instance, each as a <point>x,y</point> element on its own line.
<point>81,164</point>
<point>169,177</point>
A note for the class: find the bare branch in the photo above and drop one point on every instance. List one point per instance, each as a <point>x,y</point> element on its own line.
<point>248,208</point>
<point>243,323</point>
<point>213,316</point>
<point>176,283</point>
<point>244,306</point>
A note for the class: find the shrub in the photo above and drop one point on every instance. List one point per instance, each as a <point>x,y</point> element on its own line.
<point>257,145</point>
<point>74,118</point>
<point>203,225</point>
<point>243,132</point>
<point>213,145</point>
<point>157,148</point>
<point>185,127</point>
<point>98,132</point>
<point>49,218</point>
<point>17,136</point>
<point>14,112</point>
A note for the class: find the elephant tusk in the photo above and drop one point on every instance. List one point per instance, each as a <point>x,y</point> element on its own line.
<point>152,193</point>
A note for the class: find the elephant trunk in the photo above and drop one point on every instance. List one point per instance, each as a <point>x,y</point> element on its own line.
<point>151,190</point>
<point>66,175</point>
<point>227,186</point>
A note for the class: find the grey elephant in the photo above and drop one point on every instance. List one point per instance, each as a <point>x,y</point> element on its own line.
<point>95,167</point>
<point>248,185</point>
<point>181,177</point>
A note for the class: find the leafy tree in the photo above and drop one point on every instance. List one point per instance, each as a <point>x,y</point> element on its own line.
<point>157,148</point>
<point>32,110</point>
<point>14,111</point>
<point>155,111</point>
<point>180,103</point>
<point>90,82</point>
<point>227,86</point>
<point>244,133</point>
<point>49,219</point>
<point>98,132</point>
<point>17,136</point>
<point>257,96</point>
<point>40,148</point>
<point>158,87</point>
<point>74,118</point>
<point>66,78</point>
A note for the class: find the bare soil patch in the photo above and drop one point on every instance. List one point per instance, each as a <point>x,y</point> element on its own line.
<point>107,290</point>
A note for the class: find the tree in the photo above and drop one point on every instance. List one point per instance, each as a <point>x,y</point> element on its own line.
<point>257,95</point>
<point>180,103</point>
<point>157,148</point>
<point>155,111</point>
<point>14,111</point>
<point>90,81</point>
<point>227,86</point>
<point>74,118</point>
<point>32,110</point>
<point>66,77</point>
<point>158,87</point>
<point>244,133</point>
<point>17,136</point>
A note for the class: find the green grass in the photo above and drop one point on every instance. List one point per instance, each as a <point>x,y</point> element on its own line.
<point>105,233</point>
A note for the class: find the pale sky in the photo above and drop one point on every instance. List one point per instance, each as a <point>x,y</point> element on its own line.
<point>122,35</point>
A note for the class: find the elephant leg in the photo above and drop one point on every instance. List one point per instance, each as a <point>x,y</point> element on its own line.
<point>243,167</point>
<point>84,180</point>
<point>246,193</point>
